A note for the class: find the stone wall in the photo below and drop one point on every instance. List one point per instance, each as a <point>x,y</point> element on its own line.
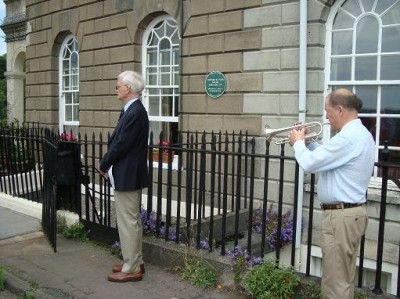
<point>254,43</point>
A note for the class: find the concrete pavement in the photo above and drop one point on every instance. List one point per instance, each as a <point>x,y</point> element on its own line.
<point>78,270</point>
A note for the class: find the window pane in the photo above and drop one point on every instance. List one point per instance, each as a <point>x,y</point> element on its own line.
<point>368,95</point>
<point>341,69</point>
<point>68,98</point>
<point>390,99</point>
<point>68,113</point>
<point>390,39</point>
<point>152,57</point>
<point>153,106</point>
<point>365,68</point>
<point>382,5</point>
<point>367,35</point>
<point>76,113</point>
<point>343,21</point>
<point>392,17</point>
<point>367,4</point>
<point>370,124</point>
<point>66,85</point>
<point>390,67</point>
<point>390,131</point>
<point>166,105</point>
<point>342,42</point>
<point>352,7</point>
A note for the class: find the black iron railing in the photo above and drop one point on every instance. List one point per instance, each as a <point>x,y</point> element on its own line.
<point>205,188</point>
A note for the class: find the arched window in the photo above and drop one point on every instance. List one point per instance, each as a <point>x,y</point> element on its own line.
<point>364,55</point>
<point>161,54</point>
<point>69,85</point>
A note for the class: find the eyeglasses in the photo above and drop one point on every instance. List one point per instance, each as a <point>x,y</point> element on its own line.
<point>118,86</point>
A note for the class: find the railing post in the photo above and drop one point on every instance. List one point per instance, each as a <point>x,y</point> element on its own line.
<point>385,168</point>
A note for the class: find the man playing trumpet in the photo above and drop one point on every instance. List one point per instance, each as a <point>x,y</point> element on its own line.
<point>345,164</point>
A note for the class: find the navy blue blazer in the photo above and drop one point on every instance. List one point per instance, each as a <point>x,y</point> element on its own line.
<point>127,150</point>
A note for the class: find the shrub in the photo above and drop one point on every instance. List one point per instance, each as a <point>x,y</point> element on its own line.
<point>75,231</point>
<point>199,273</point>
<point>271,228</point>
<point>269,280</point>
<point>2,279</point>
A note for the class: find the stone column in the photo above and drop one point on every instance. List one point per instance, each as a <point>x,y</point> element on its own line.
<point>15,95</point>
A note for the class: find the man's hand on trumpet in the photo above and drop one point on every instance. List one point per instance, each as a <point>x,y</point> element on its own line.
<point>298,133</point>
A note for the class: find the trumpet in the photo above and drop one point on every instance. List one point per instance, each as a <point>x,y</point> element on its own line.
<point>271,133</point>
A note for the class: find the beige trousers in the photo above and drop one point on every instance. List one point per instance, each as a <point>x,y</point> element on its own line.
<point>130,230</point>
<point>342,230</point>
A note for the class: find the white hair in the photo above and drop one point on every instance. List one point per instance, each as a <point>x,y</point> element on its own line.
<point>133,80</point>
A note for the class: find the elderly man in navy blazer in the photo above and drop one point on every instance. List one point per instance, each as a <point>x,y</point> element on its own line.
<point>125,163</point>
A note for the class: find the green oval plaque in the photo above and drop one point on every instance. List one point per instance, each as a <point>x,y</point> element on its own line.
<point>215,84</point>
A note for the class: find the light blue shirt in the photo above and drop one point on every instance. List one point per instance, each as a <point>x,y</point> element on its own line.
<point>345,163</point>
<point>130,102</point>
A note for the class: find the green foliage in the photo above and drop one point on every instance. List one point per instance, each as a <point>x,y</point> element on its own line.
<point>360,294</point>
<point>76,231</point>
<point>269,280</point>
<point>199,273</point>
<point>2,279</point>
<point>29,294</point>
<point>239,266</point>
<point>309,289</point>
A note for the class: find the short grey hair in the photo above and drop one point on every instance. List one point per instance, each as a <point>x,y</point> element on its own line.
<point>133,80</point>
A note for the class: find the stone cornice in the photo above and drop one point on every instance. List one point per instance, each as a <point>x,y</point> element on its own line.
<point>14,27</point>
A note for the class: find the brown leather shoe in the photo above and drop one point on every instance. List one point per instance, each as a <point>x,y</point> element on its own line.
<point>124,277</point>
<point>118,268</point>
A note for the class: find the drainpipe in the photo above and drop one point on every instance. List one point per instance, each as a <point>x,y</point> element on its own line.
<point>302,105</point>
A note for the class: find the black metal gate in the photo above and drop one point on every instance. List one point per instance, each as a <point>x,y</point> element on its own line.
<point>49,212</point>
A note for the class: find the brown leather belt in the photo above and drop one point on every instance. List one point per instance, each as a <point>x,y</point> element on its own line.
<point>342,205</point>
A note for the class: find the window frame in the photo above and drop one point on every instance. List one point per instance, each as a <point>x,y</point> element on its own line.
<point>159,90</point>
<point>353,84</point>
<point>69,46</point>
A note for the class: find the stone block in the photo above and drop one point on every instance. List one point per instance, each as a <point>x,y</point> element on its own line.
<point>237,4</point>
<point>248,123</point>
<point>94,73</point>
<point>101,119</point>
<point>229,62</point>
<point>315,81</point>
<point>201,123</point>
<point>194,103</point>
<point>92,42</point>
<point>243,40</point>
<point>197,26</point>
<point>194,65</point>
<point>102,24</point>
<point>278,37</point>
<point>117,37</point>
<point>117,22</point>
<point>196,84</point>
<point>206,7</point>
<point>226,104</point>
<point>86,58</point>
<point>227,21</point>
<point>206,44</point>
<point>262,60</point>
<point>281,81</point>
<point>101,56</point>
<point>291,13</point>
<point>244,82</point>
<point>121,54</point>
<point>95,10</point>
<point>263,16</point>
<point>261,103</point>
<point>101,88</point>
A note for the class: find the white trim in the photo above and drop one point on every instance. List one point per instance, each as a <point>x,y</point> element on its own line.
<point>74,88</point>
